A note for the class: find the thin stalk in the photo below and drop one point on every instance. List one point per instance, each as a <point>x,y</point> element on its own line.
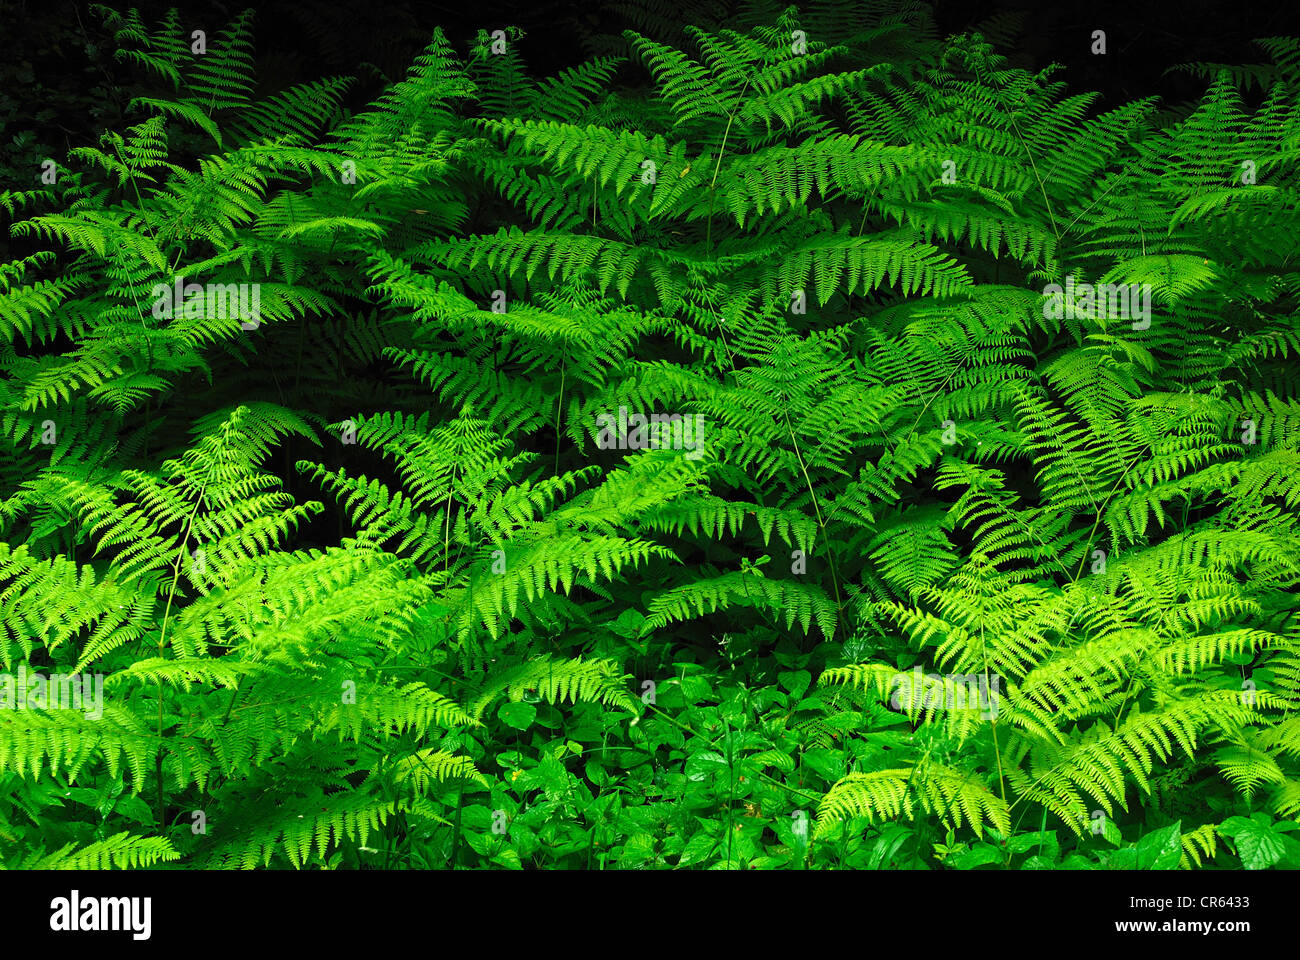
<point>559,407</point>
<point>722,149</point>
<point>821,523</point>
<point>162,646</point>
<point>455,835</point>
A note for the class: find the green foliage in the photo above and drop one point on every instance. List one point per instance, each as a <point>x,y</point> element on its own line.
<point>919,570</point>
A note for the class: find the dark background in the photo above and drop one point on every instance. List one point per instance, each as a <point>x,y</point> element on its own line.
<point>60,86</point>
<point>47,81</point>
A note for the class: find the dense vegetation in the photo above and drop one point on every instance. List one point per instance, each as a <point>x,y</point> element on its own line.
<point>389,573</point>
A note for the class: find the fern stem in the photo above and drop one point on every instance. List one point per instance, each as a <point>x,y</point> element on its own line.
<point>821,525</point>
<point>455,831</point>
<point>1042,188</point>
<point>162,643</point>
<point>993,724</point>
<point>559,407</point>
<point>722,149</point>
<point>731,785</point>
<point>446,538</point>
<point>1087,548</point>
<point>234,696</point>
<point>154,237</point>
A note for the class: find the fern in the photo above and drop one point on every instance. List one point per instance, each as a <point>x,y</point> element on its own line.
<point>669,413</point>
